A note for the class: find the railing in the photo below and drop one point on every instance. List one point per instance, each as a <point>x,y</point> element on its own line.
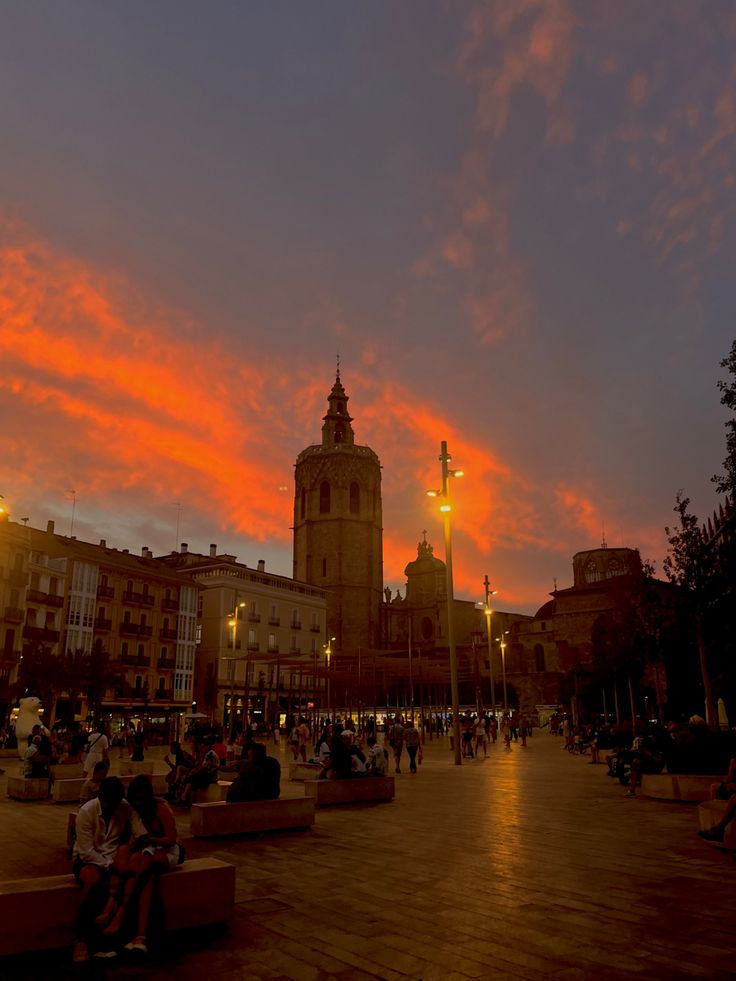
<point>167,633</point>
<point>13,614</point>
<point>47,599</point>
<point>102,624</point>
<point>162,695</point>
<point>105,592</point>
<point>147,599</point>
<point>166,663</point>
<point>41,633</point>
<point>254,617</point>
<point>274,621</point>
<point>273,648</point>
<point>129,629</point>
<point>133,661</point>
<point>129,596</point>
<point>253,646</point>
<point>170,604</point>
<point>296,624</point>
<point>315,628</point>
<point>145,630</point>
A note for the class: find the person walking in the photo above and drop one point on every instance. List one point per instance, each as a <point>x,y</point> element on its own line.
<point>413,741</point>
<point>396,741</point>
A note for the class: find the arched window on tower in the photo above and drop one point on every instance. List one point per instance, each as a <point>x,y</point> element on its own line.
<point>339,433</point>
<point>303,503</point>
<point>324,497</point>
<point>354,498</point>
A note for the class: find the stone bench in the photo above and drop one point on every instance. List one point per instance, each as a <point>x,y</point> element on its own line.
<point>66,771</point>
<point>304,771</point>
<point>350,791</point>
<point>27,788</point>
<point>221,818</point>
<point>128,768</point>
<point>710,813</point>
<point>215,792</point>
<point>68,791</point>
<point>689,787</point>
<point>39,913</point>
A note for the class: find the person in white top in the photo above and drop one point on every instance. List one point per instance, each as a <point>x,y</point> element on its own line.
<point>102,825</point>
<point>97,749</point>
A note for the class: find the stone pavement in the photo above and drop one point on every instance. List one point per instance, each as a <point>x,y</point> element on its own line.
<point>528,865</point>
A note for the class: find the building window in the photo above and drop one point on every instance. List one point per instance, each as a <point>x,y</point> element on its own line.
<point>141,650</point>
<point>592,573</point>
<point>124,649</point>
<point>303,503</point>
<point>324,497</point>
<point>540,663</point>
<point>427,628</point>
<point>354,498</point>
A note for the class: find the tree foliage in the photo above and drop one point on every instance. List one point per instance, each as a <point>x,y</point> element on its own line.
<point>726,482</point>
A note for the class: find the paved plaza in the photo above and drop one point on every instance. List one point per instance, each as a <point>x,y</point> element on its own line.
<point>526,865</point>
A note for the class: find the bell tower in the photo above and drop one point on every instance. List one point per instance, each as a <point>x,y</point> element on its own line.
<point>338,533</point>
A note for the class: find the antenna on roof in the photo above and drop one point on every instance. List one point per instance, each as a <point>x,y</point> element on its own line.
<point>604,544</point>
<point>74,508</point>
<point>178,507</point>
<point>338,366</point>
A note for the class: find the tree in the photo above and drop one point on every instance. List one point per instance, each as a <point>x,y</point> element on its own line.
<point>100,676</point>
<point>689,565</point>
<point>726,482</point>
<point>39,674</point>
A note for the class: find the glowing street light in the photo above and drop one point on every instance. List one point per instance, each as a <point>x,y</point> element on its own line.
<point>446,509</point>
<point>502,641</point>
<point>490,592</point>
<point>327,648</point>
<point>232,621</point>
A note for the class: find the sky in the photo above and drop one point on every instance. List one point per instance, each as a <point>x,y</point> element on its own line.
<point>513,220</point>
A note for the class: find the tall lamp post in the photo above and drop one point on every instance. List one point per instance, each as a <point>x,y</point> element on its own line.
<point>490,592</point>
<point>233,622</point>
<point>446,509</point>
<point>502,640</point>
<point>328,657</point>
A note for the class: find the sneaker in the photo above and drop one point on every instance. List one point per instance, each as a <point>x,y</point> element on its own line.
<point>80,952</point>
<point>105,954</point>
<point>630,793</point>
<point>139,944</point>
<point>712,834</point>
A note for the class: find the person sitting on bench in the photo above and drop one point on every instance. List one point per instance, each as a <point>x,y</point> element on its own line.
<point>91,786</point>
<point>259,777</point>
<point>717,831</point>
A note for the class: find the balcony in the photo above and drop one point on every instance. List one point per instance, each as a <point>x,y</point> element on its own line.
<point>170,604</point>
<point>274,621</point>
<point>45,599</point>
<point>129,596</point>
<point>162,695</point>
<point>133,661</point>
<point>102,626</point>
<point>253,646</point>
<point>45,634</point>
<point>128,693</point>
<point>105,592</point>
<point>295,650</point>
<point>128,629</point>
<point>14,615</point>
<point>9,657</point>
<point>145,630</point>
<point>166,663</point>
<point>147,599</point>
<point>167,633</point>
<point>296,624</point>
<point>315,628</point>
<point>254,618</point>
<point>273,648</point>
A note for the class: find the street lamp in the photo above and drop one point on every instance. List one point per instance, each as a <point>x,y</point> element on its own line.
<point>502,641</point>
<point>327,648</point>
<point>232,621</point>
<point>490,592</point>
<point>446,509</point>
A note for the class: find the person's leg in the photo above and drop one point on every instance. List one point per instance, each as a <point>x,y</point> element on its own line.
<point>138,872</point>
<point>91,879</point>
<point>412,751</point>
<point>715,833</point>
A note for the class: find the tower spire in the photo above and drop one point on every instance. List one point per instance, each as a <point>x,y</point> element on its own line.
<point>337,427</point>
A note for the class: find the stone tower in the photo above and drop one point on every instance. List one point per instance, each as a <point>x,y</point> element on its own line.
<point>338,542</point>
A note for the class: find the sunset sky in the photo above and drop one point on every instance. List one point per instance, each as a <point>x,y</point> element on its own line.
<point>514,220</point>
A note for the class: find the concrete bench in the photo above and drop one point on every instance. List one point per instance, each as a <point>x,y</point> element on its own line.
<point>38,914</point>
<point>66,771</point>
<point>27,788</point>
<point>215,792</point>
<point>350,791</point>
<point>710,813</point>
<point>127,768</point>
<point>304,771</point>
<point>221,818</point>
<point>68,791</point>
<point>690,787</point>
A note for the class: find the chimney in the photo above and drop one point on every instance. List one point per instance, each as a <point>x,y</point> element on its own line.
<point>184,548</point>
<point>261,565</point>
<point>103,543</point>
<point>49,527</point>
<point>126,551</point>
<point>213,551</point>
<point>144,551</point>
